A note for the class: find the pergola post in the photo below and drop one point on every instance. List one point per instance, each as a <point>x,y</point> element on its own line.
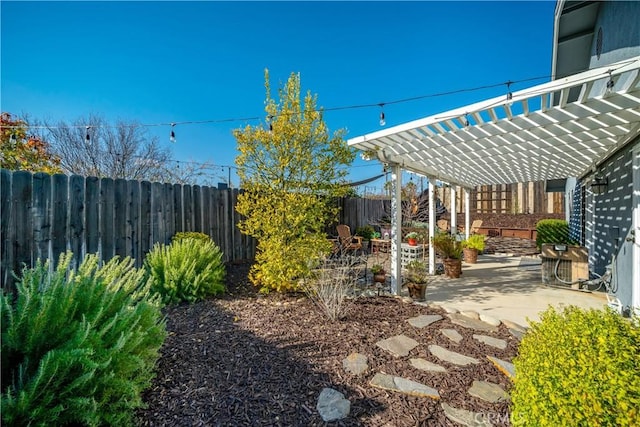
<point>432,224</point>
<point>453,215</point>
<point>467,224</point>
<point>396,228</point>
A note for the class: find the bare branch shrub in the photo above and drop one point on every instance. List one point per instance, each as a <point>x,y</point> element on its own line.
<point>331,284</point>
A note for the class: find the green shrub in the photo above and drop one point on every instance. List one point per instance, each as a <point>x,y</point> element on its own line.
<point>552,231</point>
<point>78,347</point>
<point>447,246</point>
<point>475,241</point>
<point>578,368</point>
<point>190,235</point>
<point>366,232</point>
<point>186,270</point>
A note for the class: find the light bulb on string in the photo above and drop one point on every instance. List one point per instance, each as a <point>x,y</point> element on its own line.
<point>172,135</point>
<point>382,119</point>
<point>466,120</point>
<point>87,137</point>
<point>13,137</point>
<point>509,94</point>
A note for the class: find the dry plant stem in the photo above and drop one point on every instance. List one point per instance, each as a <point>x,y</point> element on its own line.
<point>331,284</point>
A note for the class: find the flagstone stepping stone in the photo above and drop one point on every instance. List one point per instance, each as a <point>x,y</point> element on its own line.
<point>399,346</point>
<point>452,334</point>
<point>470,323</point>
<point>490,319</point>
<point>355,363</point>
<point>505,367</point>
<point>513,325</point>
<point>464,417</point>
<point>517,334</point>
<point>493,342</point>
<point>487,391</point>
<point>471,314</point>
<point>424,320</point>
<point>403,385</point>
<point>451,356</point>
<point>332,405</point>
<point>425,365</point>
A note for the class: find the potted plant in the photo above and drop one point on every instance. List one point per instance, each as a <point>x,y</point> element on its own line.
<point>472,246</point>
<point>378,272</point>
<point>450,249</point>
<point>412,238</point>
<point>366,232</point>
<point>417,277</point>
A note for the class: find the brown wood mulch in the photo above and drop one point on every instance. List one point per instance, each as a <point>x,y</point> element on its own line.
<point>250,360</point>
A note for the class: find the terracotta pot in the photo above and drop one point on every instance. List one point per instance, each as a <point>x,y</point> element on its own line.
<point>470,255</point>
<point>452,268</point>
<point>412,242</point>
<point>417,291</point>
<point>380,277</point>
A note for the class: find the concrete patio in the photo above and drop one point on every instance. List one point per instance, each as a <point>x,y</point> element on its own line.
<point>504,287</point>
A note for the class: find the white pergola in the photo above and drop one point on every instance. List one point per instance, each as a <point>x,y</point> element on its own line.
<point>554,130</point>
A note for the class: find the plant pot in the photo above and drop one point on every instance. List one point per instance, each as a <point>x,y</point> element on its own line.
<point>412,242</point>
<point>470,255</point>
<point>417,291</point>
<point>452,267</point>
<point>380,277</point>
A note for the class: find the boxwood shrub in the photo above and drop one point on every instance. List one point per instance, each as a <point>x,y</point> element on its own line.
<point>578,368</point>
<point>78,346</point>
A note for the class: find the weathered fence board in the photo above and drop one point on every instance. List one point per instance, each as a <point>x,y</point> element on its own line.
<point>92,215</point>
<point>145,219</point>
<point>120,217</point>
<point>106,218</point>
<point>76,215</point>
<point>6,252</point>
<point>41,216</point>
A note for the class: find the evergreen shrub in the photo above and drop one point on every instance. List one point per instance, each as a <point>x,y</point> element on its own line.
<point>578,368</point>
<point>187,270</point>
<point>78,346</point>
<point>553,231</point>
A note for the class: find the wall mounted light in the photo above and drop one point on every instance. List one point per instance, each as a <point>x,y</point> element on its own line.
<point>599,185</point>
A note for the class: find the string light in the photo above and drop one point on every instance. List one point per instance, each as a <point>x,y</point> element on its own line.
<point>172,135</point>
<point>382,120</point>
<point>13,137</point>
<point>270,123</point>
<point>466,120</point>
<point>87,137</point>
<point>509,94</point>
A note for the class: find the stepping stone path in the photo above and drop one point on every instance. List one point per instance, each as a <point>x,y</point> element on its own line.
<point>403,385</point>
<point>493,342</point>
<point>451,356</point>
<point>490,392</point>
<point>401,345</point>
<point>452,334</point>
<point>470,323</point>
<point>355,363</point>
<point>425,320</point>
<point>425,365</point>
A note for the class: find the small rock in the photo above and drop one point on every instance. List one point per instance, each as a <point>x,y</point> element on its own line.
<point>493,342</point>
<point>425,365</point>
<point>516,333</point>
<point>424,320</point>
<point>452,334</point>
<point>487,391</point>
<point>399,346</point>
<point>332,405</point>
<point>451,356</point>
<point>464,417</point>
<point>503,366</point>
<point>355,363</point>
<point>489,319</point>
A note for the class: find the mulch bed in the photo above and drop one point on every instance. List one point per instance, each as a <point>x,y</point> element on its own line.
<point>251,360</point>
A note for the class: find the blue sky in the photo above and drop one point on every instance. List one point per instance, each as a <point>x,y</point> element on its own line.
<point>163,62</point>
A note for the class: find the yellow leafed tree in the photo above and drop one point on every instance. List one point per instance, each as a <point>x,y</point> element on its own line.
<point>290,168</point>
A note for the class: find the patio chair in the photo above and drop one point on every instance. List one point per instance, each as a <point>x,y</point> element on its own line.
<point>443,225</point>
<point>475,226</point>
<point>346,240</point>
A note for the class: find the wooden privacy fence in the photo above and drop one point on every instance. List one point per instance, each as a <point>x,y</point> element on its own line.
<point>45,215</point>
